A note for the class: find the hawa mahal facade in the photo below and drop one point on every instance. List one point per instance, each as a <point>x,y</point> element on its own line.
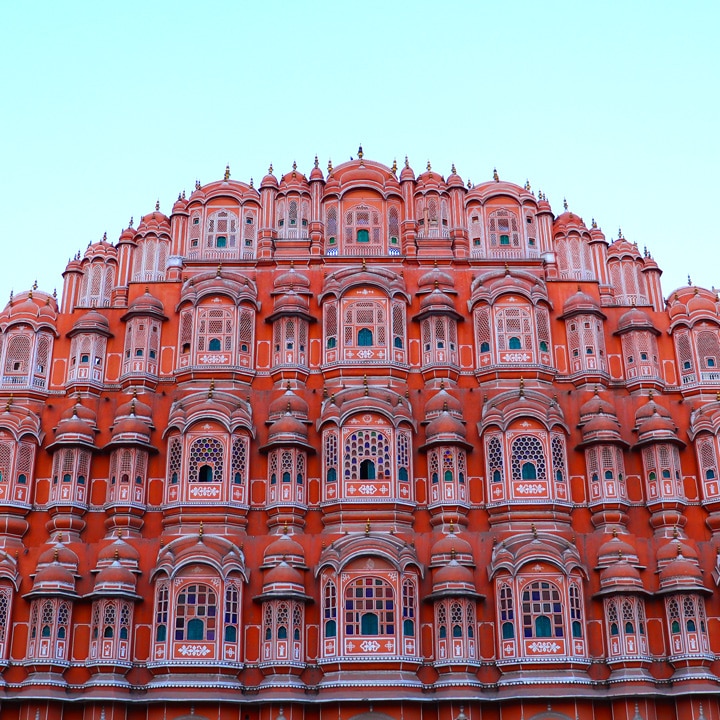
<point>361,445</point>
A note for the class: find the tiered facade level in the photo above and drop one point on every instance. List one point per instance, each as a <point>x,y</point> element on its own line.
<point>362,444</point>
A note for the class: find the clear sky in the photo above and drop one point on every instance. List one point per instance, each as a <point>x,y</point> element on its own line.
<point>106,107</point>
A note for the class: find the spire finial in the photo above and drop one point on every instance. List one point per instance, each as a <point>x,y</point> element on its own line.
<point>294,166</point>
<point>367,527</point>
<point>218,273</point>
<point>393,169</point>
<point>534,531</point>
<point>200,531</point>
<point>364,266</point>
<point>329,167</point>
<point>270,169</point>
<point>317,162</point>
<point>496,177</point>
<point>565,203</point>
<point>429,166</point>
<point>507,269</point>
<point>689,280</point>
<point>620,235</point>
<point>593,224</point>
<point>360,152</point>
<point>227,172</point>
<point>157,204</point>
<point>252,183</point>
<point>407,162</point>
<point>453,171</point>
<point>197,184</point>
<point>522,386</point>
<point>469,184</point>
<point>211,389</point>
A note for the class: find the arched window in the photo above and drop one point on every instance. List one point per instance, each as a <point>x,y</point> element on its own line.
<point>369,607</point>
<point>196,613</point>
<point>528,458</point>
<point>542,610</point>
<point>365,337</point>
<point>206,462</point>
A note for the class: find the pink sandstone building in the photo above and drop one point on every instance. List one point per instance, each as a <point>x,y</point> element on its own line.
<point>360,445</point>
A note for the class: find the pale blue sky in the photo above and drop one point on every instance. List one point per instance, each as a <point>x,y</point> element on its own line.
<point>107,107</point>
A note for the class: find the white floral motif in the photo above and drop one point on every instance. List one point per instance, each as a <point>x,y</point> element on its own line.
<point>531,488</point>
<point>516,357</point>
<point>367,489</point>
<point>369,646</point>
<point>194,650</point>
<point>214,359</point>
<point>544,647</point>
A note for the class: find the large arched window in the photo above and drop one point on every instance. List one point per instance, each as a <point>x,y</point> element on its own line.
<point>363,231</point>
<point>542,611</point>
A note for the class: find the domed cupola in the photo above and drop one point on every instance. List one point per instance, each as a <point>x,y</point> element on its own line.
<point>288,402</point>
<point>620,576</point>
<point>133,424</point>
<point>116,580</point>
<point>91,322</point>
<point>443,401</point>
<point>407,172</point>
<point>77,426</point>
<point>289,431</point>
<point>446,428</point>
<point>145,305</point>
<point>286,548</point>
<point>56,572</point>
<point>682,573</point>
<point>653,423</point>
<point>269,181</point>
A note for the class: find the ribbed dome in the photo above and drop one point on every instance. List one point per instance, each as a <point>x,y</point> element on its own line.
<point>438,301</point>
<point>291,279</point>
<point>596,405</point>
<point>601,426</point>
<point>435,277</point>
<point>291,302</point>
<point>701,303</point>
<point>58,553</point>
<point>681,572</point>
<point>673,549</point>
<point>614,550</point>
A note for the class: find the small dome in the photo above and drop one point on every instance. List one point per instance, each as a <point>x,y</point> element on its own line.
<point>452,544</point>
<point>134,406</point>
<point>614,550</point>
<point>291,302</point>
<point>284,574</point>
<point>649,409</point>
<point>596,405</point>
<point>120,551</point>
<point>284,547</point>
<point>674,549</point>
<point>435,278</point>
<point>146,304</point>
<point>568,220</point>
<point>445,426</point>
<point>681,572</point>
<point>291,279</point>
<point>54,577</point>
<point>600,426</point>
<point>656,424</point>
<point>407,172</point>
<point>91,321</point>
<point>622,248</point>
<point>288,427</point>
<point>701,303</point>
<point>269,181</point>
<point>58,553</point>
<point>620,574</point>
<point>453,575</point>
<point>635,319</point>
<point>131,426</point>
<point>579,303</point>
<point>437,301</point>
<point>288,402</point>
<point>76,427</point>
<point>115,577</point>
<point>454,180</point>
<point>442,401</point>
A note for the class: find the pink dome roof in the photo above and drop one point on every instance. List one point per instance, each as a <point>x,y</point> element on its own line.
<point>288,402</point>
<point>146,304</point>
<point>568,220</point>
<point>442,401</point>
<point>450,544</point>
<point>596,405</point>
<point>635,319</point>
<point>115,577</point>
<point>291,279</point>
<point>579,303</point>
<point>58,553</point>
<point>284,547</point>
<point>283,574</point>
<point>453,574</point>
<point>438,301</point>
<point>436,278</point>
<point>620,574</point>
<point>54,577</point>
<point>288,427</point>
<point>118,550</point>
<point>91,321</point>
<point>445,425</point>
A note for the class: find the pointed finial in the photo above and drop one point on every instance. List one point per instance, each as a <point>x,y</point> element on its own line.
<point>534,531</point>
<point>294,166</point>
<point>360,153</point>
<point>527,185</point>
<point>451,528</point>
<point>429,166</point>
<point>200,531</point>
<point>367,527</point>
<point>453,171</point>
<point>407,162</point>
<point>689,280</point>
<point>469,184</point>
<point>329,167</point>
<point>183,194</point>
<point>565,203</point>
<point>227,172</point>
<point>317,162</point>
<point>522,386</point>
<point>394,168</point>
<point>211,390</point>
<point>197,184</point>
<point>55,293</point>
<point>496,177</point>
<point>507,269</point>
<point>252,183</point>
<point>157,204</point>
<point>453,553</point>
<point>593,224</point>
<point>364,266</point>
<point>620,235</point>
<point>218,273</point>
